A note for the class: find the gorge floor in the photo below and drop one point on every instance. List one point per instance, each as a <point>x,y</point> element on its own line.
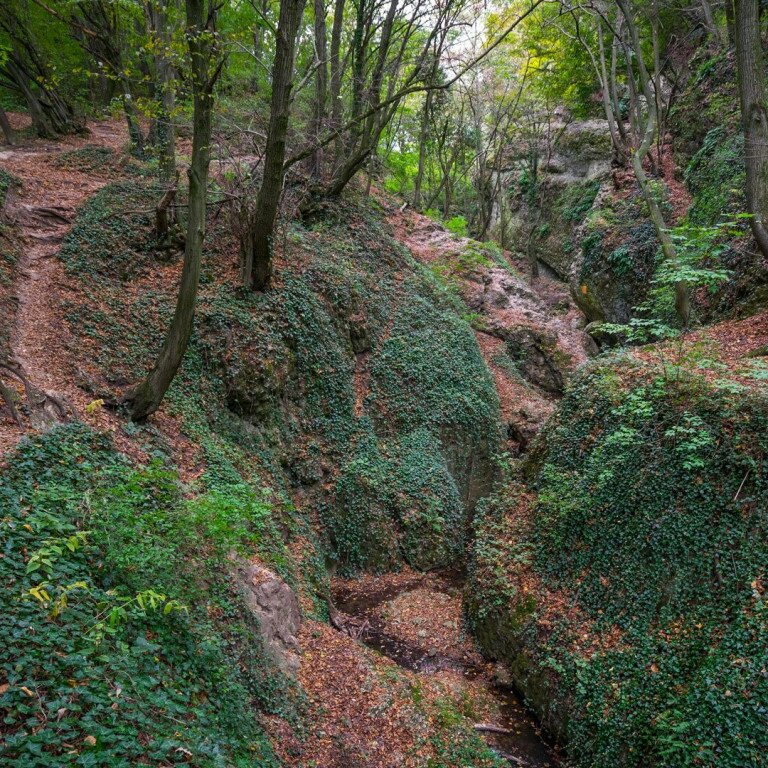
<point>416,621</point>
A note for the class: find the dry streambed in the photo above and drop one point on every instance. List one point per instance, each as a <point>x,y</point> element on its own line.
<point>416,621</point>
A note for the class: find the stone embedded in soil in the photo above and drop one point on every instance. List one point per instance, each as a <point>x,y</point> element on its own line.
<point>276,609</point>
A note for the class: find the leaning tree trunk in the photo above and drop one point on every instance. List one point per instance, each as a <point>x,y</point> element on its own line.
<point>749,62</point>
<point>423,135</point>
<point>51,115</point>
<point>335,94</point>
<point>146,398</point>
<point>709,22</point>
<point>25,66</point>
<point>257,264</point>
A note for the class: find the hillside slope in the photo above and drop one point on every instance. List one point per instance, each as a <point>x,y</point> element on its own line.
<point>622,576</point>
<point>345,420</point>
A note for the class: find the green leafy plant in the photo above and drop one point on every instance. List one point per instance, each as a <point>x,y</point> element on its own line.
<point>457,226</point>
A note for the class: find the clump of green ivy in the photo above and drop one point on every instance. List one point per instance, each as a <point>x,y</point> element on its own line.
<point>710,100</point>
<point>397,500</point>
<point>113,234</point>
<point>619,257</point>
<point>651,514</point>
<point>454,743</point>
<point>122,639</point>
<point>716,178</point>
<point>411,387</point>
<point>89,158</point>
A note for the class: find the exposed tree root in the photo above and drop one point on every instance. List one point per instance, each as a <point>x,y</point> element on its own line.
<point>36,398</point>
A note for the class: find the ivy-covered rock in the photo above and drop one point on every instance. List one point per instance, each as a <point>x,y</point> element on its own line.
<point>631,603</point>
<point>354,385</point>
<point>618,256</point>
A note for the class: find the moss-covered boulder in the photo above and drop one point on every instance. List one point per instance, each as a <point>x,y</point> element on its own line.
<point>618,257</point>
<point>583,151</point>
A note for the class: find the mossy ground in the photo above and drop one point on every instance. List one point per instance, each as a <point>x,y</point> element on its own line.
<point>94,675</point>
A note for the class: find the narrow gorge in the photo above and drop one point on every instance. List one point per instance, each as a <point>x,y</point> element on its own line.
<point>448,329</point>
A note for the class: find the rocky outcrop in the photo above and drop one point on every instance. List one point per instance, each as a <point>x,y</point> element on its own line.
<point>538,358</point>
<point>588,226</point>
<point>255,380</point>
<point>582,153</point>
<point>275,607</point>
<point>579,161</point>
<point>537,330</point>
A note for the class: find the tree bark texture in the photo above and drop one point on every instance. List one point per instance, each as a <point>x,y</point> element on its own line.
<point>257,264</point>
<point>751,71</point>
<point>146,398</point>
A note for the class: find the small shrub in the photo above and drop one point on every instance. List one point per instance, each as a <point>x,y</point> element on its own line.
<point>457,225</point>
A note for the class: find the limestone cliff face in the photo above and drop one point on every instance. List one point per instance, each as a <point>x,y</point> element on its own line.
<point>579,228</point>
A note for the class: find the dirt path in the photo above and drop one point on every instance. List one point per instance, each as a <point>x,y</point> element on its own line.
<point>44,210</point>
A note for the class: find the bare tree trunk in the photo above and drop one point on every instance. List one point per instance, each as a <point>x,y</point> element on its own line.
<point>43,126</point>
<point>358,66</point>
<point>710,23</point>
<point>257,265</point>
<point>615,93</point>
<point>146,398</point>
<point>336,105</point>
<point>27,68</point>
<point>135,134</point>
<point>615,123</point>
<point>157,17</point>
<point>423,134</point>
<point>51,115</point>
<point>162,219</point>
<point>258,42</point>
<point>321,85</point>
<point>730,19</point>
<point>749,62</point>
<point>5,126</point>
